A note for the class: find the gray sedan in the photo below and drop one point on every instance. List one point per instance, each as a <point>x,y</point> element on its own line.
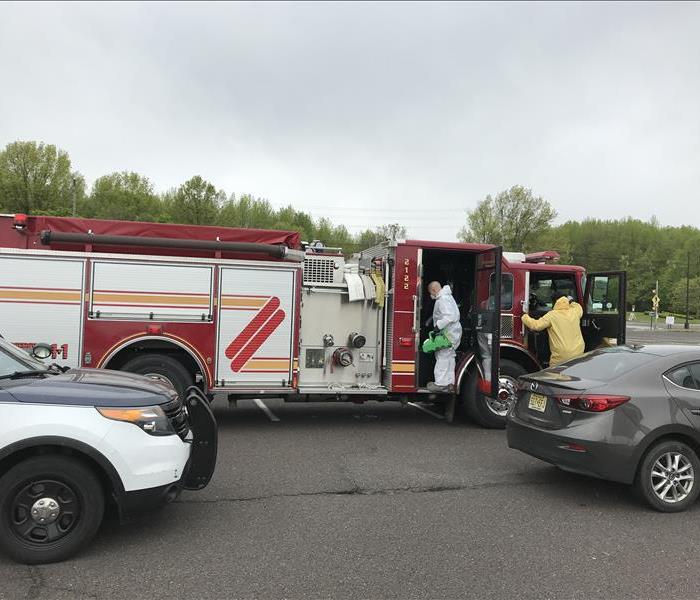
<point>629,414</point>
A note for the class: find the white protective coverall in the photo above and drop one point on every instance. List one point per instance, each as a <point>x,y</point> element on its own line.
<point>446,317</point>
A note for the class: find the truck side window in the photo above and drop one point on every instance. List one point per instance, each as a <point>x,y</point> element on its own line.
<point>604,295</point>
<point>506,291</point>
<point>543,287</point>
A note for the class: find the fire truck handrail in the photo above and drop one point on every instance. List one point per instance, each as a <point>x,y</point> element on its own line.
<point>48,237</point>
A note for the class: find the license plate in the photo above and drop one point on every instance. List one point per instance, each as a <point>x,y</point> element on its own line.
<point>537,402</point>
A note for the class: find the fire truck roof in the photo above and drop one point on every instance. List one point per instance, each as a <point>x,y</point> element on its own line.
<point>449,245</point>
<point>20,231</point>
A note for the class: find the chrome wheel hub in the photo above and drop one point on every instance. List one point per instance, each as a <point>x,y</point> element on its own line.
<point>45,511</point>
<point>672,477</point>
<point>507,391</point>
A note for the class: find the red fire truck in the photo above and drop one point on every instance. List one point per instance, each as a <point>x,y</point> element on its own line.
<point>254,313</point>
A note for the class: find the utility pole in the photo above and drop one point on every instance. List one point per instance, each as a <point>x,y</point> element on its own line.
<point>687,295</point>
<point>75,194</point>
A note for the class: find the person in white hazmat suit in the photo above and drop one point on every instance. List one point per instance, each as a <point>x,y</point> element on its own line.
<point>445,319</point>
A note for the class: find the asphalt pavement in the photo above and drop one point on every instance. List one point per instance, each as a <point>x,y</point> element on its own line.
<point>380,501</point>
<point>640,332</point>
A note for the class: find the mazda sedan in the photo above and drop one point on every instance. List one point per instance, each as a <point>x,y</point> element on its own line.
<point>629,414</point>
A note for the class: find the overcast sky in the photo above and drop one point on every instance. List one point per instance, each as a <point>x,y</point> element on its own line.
<point>371,113</point>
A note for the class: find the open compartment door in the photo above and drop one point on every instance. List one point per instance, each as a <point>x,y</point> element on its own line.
<point>605,302</point>
<point>488,318</point>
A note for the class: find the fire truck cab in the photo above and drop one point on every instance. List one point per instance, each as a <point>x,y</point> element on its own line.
<point>252,313</point>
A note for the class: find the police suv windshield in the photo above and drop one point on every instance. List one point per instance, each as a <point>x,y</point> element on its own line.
<point>12,360</point>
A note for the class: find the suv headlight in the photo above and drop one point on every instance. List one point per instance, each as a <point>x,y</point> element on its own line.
<point>151,419</point>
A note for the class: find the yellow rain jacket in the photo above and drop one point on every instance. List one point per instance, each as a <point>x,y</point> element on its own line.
<point>563,323</point>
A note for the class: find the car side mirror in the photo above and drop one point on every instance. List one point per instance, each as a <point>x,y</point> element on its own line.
<point>41,351</point>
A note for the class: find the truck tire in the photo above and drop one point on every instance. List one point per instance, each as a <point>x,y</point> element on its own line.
<point>64,492</point>
<point>163,367</point>
<point>486,411</point>
<point>659,468</point>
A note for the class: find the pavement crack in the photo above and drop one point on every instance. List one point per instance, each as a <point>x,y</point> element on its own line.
<point>358,491</point>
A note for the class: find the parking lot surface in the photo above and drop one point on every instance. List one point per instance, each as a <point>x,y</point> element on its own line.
<point>379,501</point>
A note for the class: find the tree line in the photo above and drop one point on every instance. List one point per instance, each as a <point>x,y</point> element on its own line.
<point>39,179</point>
<point>520,221</point>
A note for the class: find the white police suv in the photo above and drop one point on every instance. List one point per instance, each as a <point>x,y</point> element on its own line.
<point>77,441</point>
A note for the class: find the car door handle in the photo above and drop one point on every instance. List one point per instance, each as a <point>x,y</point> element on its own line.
<point>695,411</point>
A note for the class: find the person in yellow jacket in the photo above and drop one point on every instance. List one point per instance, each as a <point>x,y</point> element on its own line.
<point>563,324</point>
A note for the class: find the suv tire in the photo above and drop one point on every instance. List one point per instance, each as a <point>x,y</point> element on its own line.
<point>62,491</point>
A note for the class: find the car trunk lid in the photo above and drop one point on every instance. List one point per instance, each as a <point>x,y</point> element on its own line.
<point>537,398</point>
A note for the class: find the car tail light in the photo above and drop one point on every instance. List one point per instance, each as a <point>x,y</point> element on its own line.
<point>592,402</point>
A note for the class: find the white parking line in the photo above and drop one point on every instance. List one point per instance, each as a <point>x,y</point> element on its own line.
<point>426,410</point>
<point>270,415</point>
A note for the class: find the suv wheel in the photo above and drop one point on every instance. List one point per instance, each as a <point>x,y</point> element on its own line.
<point>50,507</point>
<point>669,477</point>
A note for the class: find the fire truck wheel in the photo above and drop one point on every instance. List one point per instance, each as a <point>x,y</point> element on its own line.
<point>163,367</point>
<point>491,412</point>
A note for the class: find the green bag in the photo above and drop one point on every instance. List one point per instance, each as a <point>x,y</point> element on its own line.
<point>436,342</point>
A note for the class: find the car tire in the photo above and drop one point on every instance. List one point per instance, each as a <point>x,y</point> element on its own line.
<point>72,519</point>
<point>482,409</point>
<point>162,367</point>
<point>659,468</point>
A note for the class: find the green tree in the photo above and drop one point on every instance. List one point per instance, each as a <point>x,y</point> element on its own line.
<point>509,219</point>
<point>247,211</point>
<point>124,195</point>
<point>372,237</point>
<point>36,178</point>
<point>678,296</point>
<point>196,201</point>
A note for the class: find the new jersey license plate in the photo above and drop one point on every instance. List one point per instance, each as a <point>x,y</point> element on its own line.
<point>537,402</point>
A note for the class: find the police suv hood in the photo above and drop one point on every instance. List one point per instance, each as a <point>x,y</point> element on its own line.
<point>93,387</point>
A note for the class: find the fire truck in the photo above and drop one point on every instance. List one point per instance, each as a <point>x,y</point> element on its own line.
<point>254,313</point>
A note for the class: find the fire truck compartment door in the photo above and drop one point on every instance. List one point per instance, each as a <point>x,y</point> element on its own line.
<point>487,324</point>
<point>154,292</point>
<point>41,300</point>
<point>604,308</point>
<point>257,313</point>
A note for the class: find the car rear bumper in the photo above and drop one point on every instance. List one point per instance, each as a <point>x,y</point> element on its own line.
<point>583,455</point>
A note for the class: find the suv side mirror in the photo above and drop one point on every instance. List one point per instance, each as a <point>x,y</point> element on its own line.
<point>41,351</point>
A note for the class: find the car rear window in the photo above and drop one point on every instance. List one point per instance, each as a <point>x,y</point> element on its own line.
<point>687,376</point>
<point>606,364</point>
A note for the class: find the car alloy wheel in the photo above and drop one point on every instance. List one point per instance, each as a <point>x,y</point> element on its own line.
<point>672,477</point>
